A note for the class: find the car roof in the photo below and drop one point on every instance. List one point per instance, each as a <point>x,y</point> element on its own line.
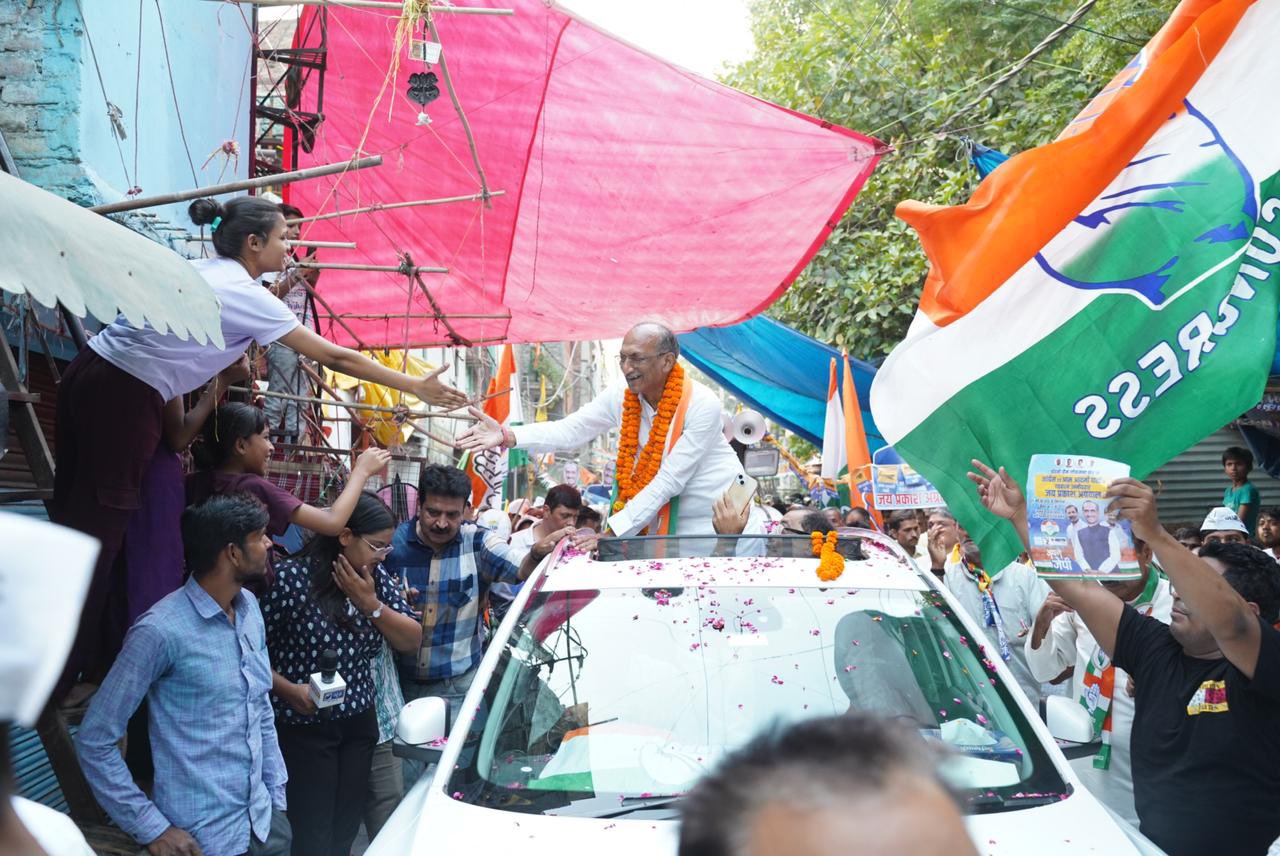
<point>886,566</point>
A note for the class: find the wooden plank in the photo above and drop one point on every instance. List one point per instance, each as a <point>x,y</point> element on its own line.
<point>24,422</point>
<point>53,732</point>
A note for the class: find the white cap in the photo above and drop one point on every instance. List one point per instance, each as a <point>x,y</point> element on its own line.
<point>1223,519</point>
<point>39,610</point>
<point>492,518</point>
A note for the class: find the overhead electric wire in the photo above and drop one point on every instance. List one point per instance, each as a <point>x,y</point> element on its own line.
<point>1065,23</point>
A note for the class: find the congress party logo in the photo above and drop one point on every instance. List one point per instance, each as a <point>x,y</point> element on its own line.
<point>1185,205</point>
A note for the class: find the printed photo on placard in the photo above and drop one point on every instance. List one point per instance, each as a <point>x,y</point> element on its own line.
<point>1073,534</point>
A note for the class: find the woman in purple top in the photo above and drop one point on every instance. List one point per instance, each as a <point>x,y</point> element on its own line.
<point>141,373</point>
<point>232,457</point>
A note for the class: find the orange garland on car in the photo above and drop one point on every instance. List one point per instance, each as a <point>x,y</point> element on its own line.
<point>830,563</point>
<point>634,473</point>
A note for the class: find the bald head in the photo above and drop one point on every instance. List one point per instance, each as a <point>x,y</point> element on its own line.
<point>663,340</point>
<point>649,352</point>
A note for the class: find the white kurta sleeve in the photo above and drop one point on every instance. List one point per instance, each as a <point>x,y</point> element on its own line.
<point>1057,650</point>
<point>575,430</point>
<point>702,428</point>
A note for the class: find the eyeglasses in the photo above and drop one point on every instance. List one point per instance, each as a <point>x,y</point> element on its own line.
<point>637,361</point>
<point>378,551</point>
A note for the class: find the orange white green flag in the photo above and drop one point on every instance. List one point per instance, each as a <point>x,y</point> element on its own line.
<point>488,469</point>
<point>1112,293</point>
<point>834,457</point>
<point>858,452</point>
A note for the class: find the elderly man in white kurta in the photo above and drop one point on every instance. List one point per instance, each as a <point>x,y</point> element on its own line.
<point>1067,642</point>
<point>696,465</point>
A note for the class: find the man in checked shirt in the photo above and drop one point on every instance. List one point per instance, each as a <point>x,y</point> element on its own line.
<point>447,564</point>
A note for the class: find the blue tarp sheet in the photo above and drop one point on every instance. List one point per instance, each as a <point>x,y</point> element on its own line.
<point>778,371</point>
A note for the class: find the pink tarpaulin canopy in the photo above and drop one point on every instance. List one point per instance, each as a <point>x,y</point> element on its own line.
<point>632,188</point>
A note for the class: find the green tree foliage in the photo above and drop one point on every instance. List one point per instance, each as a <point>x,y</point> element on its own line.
<point>900,70</point>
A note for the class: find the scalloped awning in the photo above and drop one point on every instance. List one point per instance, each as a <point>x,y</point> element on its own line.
<point>58,252</point>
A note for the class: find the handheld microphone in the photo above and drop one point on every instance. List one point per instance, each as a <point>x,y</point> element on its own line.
<point>327,686</point>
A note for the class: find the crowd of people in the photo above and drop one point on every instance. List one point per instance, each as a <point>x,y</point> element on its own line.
<point>210,688</point>
<point>224,662</point>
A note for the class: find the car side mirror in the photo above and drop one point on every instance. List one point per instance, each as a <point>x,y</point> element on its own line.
<point>422,729</point>
<point>1070,723</point>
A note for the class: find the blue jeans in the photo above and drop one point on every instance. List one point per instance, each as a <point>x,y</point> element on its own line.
<point>452,690</point>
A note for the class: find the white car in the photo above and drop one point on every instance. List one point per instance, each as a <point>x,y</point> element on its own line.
<point>616,682</point>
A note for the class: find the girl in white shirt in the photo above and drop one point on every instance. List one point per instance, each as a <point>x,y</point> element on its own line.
<point>114,399</point>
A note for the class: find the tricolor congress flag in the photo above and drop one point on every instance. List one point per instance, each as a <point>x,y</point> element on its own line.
<point>1112,293</point>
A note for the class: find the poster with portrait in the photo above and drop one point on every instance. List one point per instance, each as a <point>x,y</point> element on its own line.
<point>898,485</point>
<point>1073,536</point>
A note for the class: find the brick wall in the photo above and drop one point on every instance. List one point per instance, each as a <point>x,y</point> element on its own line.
<point>43,102</point>
<point>40,97</point>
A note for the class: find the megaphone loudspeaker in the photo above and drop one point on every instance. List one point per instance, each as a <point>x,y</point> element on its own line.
<point>748,427</point>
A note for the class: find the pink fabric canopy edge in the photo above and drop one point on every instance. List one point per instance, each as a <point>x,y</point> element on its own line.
<point>633,189</point>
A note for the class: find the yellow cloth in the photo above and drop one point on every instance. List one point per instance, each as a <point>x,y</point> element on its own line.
<point>383,425</point>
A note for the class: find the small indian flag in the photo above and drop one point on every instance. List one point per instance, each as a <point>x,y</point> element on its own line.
<point>488,469</point>
<point>834,458</point>
<point>1112,293</point>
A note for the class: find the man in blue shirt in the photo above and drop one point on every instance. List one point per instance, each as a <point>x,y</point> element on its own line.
<point>446,565</point>
<point>199,657</point>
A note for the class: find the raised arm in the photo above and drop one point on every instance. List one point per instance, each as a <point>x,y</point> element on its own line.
<point>332,520</point>
<point>430,388</point>
<point>572,432</point>
<point>1098,608</point>
<point>1227,616</point>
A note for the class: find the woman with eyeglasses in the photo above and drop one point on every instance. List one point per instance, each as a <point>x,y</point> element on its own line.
<point>334,595</point>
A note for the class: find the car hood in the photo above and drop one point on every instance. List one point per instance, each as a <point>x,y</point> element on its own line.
<point>429,822</point>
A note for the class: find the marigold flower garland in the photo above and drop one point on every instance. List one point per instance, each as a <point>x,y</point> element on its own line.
<point>635,472</point>
<point>830,563</point>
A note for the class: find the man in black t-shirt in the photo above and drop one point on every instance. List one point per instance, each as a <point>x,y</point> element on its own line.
<point>1206,730</point>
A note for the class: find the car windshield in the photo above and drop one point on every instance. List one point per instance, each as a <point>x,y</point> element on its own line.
<point>608,697</point>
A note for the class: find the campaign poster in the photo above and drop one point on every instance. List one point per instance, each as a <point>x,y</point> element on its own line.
<point>898,485</point>
<point>1073,535</point>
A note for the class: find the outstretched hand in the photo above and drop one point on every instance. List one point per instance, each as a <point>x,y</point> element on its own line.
<point>998,491</point>
<point>436,392</point>
<point>487,433</point>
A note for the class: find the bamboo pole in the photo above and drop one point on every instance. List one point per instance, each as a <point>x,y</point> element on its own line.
<point>315,295</point>
<point>322,450</point>
<point>355,405</point>
<point>234,186</point>
<point>392,205</point>
<point>462,117</point>
<point>451,344</point>
<point>375,268</point>
<point>376,4</point>
<point>323,245</point>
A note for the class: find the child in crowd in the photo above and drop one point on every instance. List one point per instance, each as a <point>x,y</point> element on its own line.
<point>232,457</point>
<point>1241,497</point>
